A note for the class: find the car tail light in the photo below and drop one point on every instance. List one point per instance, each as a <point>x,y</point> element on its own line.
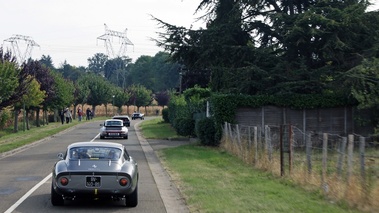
<point>64,181</point>
<point>123,181</point>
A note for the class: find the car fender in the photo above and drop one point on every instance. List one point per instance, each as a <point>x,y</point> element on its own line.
<point>60,166</point>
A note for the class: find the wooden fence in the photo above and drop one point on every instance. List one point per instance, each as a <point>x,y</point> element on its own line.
<point>344,168</point>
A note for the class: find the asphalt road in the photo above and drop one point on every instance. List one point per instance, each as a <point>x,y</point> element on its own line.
<point>25,176</point>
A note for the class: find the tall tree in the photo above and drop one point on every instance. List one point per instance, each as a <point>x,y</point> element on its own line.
<point>14,81</point>
<point>43,76</point>
<point>47,61</point>
<point>97,62</point>
<point>100,90</point>
<point>116,71</point>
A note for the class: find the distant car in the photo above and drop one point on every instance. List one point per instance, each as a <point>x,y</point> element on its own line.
<point>124,118</point>
<point>113,128</point>
<point>138,115</point>
<point>95,170</point>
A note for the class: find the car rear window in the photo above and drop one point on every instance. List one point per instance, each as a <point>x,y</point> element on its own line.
<point>94,153</point>
<point>113,123</point>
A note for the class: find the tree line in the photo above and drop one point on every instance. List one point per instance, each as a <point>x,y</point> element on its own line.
<point>282,48</point>
<point>37,86</point>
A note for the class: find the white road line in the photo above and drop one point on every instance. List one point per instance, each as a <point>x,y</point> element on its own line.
<point>23,198</point>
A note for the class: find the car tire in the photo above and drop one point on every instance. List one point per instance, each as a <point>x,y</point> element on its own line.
<point>126,137</point>
<point>56,199</point>
<point>132,199</point>
<point>101,137</point>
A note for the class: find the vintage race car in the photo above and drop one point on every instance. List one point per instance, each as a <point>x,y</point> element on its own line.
<point>113,128</point>
<point>95,170</point>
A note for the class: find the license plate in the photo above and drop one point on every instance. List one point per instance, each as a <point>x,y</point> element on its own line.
<point>93,181</point>
<point>113,134</point>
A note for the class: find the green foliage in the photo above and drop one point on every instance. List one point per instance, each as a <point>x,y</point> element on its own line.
<point>5,116</point>
<point>177,108</point>
<point>100,89</point>
<point>185,126</point>
<point>206,132</point>
<point>139,95</point>
<point>8,79</point>
<point>165,117</point>
<point>64,91</point>
<point>97,62</point>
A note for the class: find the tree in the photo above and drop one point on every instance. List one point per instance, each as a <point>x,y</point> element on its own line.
<point>70,72</point>
<point>362,82</point>
<point>285,47</point>
<point>33,98</point>
<point>47,61</point>
<point>100,90</point>
<point>162,98</point>
<point>120,99</point>
<point>140,96</point>
<point>116,72</point>
<point>97,62</point>
<point>14,81</point>
<point>44,77</point>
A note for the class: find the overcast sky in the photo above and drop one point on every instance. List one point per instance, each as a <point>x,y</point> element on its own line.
<point>68,29</point>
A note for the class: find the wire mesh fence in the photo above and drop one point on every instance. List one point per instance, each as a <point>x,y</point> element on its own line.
<point>342,168</point>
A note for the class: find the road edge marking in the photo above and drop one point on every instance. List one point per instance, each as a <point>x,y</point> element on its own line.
<point>23,198</point>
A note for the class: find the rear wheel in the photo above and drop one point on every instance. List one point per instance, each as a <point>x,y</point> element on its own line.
<point>126,137</point>
<point>101,137</point>
<point>132,199</point>
<point>56,199</point>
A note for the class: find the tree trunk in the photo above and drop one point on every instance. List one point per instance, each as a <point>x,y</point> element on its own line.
<point>37,118</point>
<point>27,119</point>
<point>15,128</point>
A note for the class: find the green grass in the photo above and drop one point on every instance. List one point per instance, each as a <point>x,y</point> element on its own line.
<point>10,140</point>
<point>158,129</point>
<point>212,180</point>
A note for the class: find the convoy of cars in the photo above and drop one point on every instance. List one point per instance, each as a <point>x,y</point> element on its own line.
<point>95,170</point>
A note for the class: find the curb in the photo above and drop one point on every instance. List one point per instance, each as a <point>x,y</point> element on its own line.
<point>170,194</point>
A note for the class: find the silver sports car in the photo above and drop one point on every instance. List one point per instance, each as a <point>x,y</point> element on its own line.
<point>113,128</point>
<point>94,170</point>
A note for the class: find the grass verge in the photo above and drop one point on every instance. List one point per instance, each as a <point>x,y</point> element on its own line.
<point>10,140</point>
<point>158,129</point>
<point>211,180</point>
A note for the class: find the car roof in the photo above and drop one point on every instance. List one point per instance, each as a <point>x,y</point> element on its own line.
<point>120,116</point>
<point>97,144</point>
<point>113,120</point>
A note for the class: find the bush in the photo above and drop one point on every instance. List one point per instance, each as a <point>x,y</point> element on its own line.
<point>5,117</point>
<point>206,132</point>
<point>185,126</point>
<point>165,115</point>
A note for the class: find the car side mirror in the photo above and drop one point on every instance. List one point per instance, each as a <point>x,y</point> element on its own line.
<point>60,156</point>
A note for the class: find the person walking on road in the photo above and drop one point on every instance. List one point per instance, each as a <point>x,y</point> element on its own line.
<point>80,114</point>
<point>67,115</point>
<point>61,115</point>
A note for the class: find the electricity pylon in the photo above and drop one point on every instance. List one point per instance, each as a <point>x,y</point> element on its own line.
<point>107,37</point>
<point>30,43</point>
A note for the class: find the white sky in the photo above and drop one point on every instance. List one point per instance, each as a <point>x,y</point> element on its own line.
<point>68,29</point>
